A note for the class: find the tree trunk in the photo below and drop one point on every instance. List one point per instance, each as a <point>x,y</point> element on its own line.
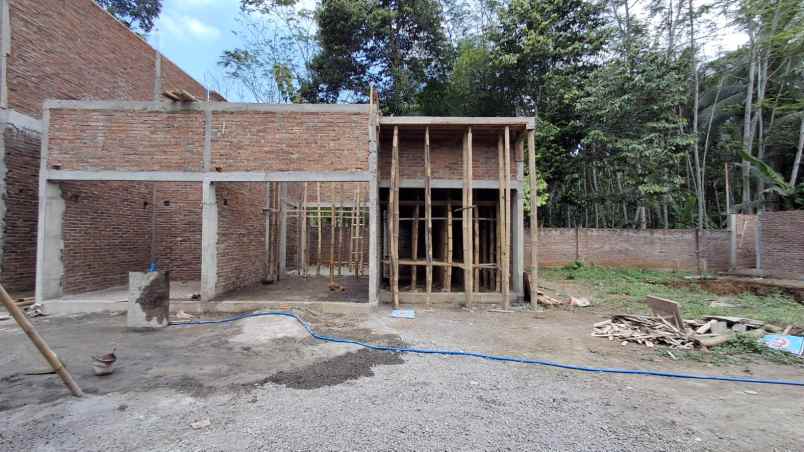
<point>797,162</point>
<point>747,138</point>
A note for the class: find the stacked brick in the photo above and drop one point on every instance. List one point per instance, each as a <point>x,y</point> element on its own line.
<point>241,234</point>
<point>783,243</point>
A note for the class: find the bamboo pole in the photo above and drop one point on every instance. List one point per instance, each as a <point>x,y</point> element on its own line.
<point>475,254</point>
<point>468,270</point>
<point>506,249</point>
<point>51,358</point>
<point>340,231</point>
<point>448,278</point>
<point>352,230</point>
<point>414,247</point>
<point>394,223</point>
<point>332,237</point>
<point>359,239</point>
<point>428,214</point>
<point>320,226</point>
<point>534,223</point>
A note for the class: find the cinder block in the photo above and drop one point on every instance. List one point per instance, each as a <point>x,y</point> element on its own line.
<point>148,300</point>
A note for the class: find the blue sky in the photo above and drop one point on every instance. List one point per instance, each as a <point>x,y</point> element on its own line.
<point>194,33</point>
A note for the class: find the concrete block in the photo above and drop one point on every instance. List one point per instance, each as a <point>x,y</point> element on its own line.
<point>148,300</point>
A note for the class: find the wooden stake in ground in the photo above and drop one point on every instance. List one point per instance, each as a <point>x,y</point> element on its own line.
<point>534,224</point>
<point>40,343</point>
<point>318,211</point>
<point>428,215</point>
<point>468,270</point>
<point>500,214</point>
<point>393,207</point>
<point>506,233</point>
<point>448,277</point>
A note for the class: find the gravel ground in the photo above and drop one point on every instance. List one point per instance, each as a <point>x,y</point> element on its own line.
<point>347,399</point>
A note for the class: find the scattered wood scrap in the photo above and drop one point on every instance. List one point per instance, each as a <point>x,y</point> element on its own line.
<point>644,330</point>
<point>180,95</point>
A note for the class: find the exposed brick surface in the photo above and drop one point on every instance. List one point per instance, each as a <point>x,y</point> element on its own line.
<point>241,234</point>
<point>446,156</point>
<point>746,241</point>
<point>126,140</point>
<point>266,141</point>
<point>783,243</point>
<point>672,249</point>
<point>107,233</point>
<point>75,50</point>
<point>178,234</point>
<point>22,165</point>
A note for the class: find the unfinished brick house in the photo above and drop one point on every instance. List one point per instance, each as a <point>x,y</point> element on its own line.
<point>64,50</point>
<point>313,203</point>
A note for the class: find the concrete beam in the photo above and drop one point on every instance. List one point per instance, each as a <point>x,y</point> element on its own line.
<point>290,176</point>
<point>104,175</point>
<point>5,51</point>
<point>452,184</point>
<point>209,243</point>
<point>197,176</point>
<point>20,120</point>
<point>170,106</point>
<point>457,121</point>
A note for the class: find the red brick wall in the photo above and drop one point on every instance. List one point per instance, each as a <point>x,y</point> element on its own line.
<point>672,249</point>
<point>178,235</point>
<point>107,233</point>
<point>783,243</point>
<point>22,166</point>
<point>241,235</point>
<point>446,156</point>
<point>126,140</point>
<point>746,241</point>
<point>294,141</point>
<point>74,50</point>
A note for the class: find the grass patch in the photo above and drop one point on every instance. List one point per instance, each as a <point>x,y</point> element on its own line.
<point>624,289</point>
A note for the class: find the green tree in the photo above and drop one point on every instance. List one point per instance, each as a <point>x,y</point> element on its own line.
<point>139,15</point>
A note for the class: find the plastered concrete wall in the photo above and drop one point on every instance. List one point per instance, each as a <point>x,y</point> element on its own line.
<point>241,254</point>
<point>18,260</point>
<point>671,249</point>
<point>126,140</point>
<point>446,153</point>
<point>290,141</point>
<point>75,50</point>
<point>783,243</point>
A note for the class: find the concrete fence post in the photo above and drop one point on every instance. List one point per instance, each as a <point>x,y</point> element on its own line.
<point>209,243</point>
<point>758,240</point>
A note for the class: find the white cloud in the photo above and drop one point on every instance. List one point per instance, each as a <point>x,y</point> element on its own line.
<point>187,28</point>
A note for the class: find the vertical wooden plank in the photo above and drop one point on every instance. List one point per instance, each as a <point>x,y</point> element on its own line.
<point>500,214</point>
<point>534,224</point>
<point>352,231</point>
<point>303,233</point>
<point>506,255</point>
<point>428,215</point>
<point>394,223</point>
<point>414,247</point>
<point>359,239</point>
<point>332,236</point>
<point>339,261</point>
<point>475,254</point>
<point>468,270</point>
<point>320,226</point>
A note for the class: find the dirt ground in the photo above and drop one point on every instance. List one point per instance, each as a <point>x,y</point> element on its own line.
<point>313,288</point>
<point>263,384</point>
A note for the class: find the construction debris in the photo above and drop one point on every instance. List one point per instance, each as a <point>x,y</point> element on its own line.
<point>180,95</point>
<point>580,302</point>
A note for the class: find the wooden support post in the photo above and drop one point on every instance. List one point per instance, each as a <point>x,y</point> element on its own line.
<point>534,223</point>
<point>340,231</point>
<point>352,230</point>
<point>414,247</point>
<point>428,215</point>
<point>506,233</point>
<point>393,207</point>
<point>320,226</point>
<point>448,277</point>
<point>303,233</point>
<point>468,270</point>
<point>41,345</point>
<point>359,238</point>
<point>500,223</point>
<point>332,236</point>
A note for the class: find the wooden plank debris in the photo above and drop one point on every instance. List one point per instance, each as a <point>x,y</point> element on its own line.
<point>180,95</point>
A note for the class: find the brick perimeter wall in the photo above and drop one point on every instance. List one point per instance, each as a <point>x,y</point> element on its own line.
<point>783,243</point>
<point>178,235</point>
<point>746,226</point>
<point>241,235</point>
<point>75,50</point>
<point>22,179</point>
<point>669,249</point>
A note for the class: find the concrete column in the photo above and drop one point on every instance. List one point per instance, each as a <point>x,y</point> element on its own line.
<point>209,243</point>
<point>517,243</point>
<point>374,212</point>
<point>732,241</point>
<point>283,229</point>
<point>50,242</point>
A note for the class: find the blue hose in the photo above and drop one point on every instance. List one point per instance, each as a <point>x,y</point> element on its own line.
<point>511,359</point>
